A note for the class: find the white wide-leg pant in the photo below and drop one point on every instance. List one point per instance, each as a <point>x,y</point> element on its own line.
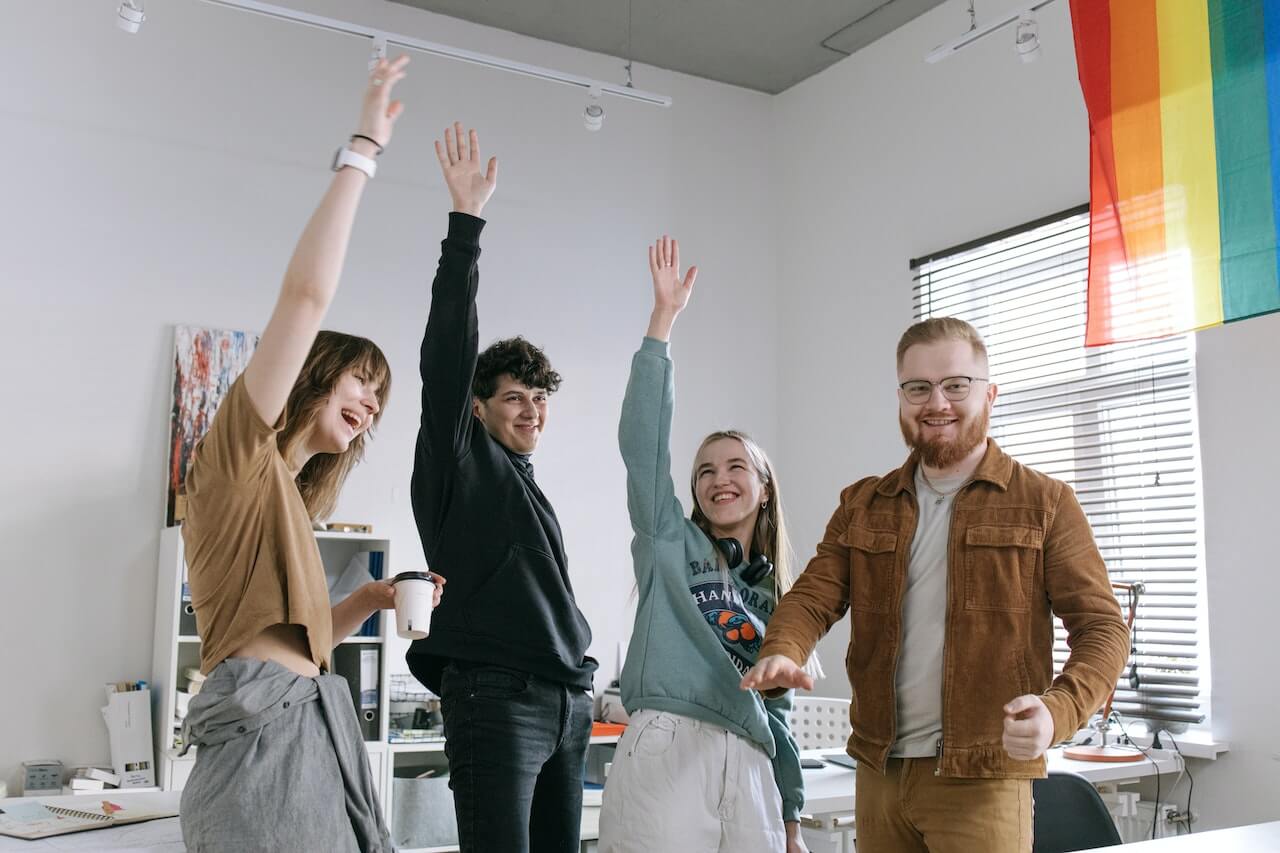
<point>679,785</point>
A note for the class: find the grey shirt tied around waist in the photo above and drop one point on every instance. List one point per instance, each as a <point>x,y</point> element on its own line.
<point>280,765</point>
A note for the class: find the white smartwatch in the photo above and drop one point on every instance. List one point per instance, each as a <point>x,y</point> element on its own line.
<point>346,157</point>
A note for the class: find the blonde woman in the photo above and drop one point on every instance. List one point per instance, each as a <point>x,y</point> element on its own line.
<point>703,766</point>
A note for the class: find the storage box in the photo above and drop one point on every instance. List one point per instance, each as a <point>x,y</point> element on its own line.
<point>41,777</point>
<point>422,813</point>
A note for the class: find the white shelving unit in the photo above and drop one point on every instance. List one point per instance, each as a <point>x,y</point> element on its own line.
<point>174,652</point>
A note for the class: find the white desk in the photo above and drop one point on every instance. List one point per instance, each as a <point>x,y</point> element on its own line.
<point>828,791</point>
<point>154,836</point>
<point>165,834</point>
<point>828,799</point>
<point>1258,838</point>
<point>1099,773</point>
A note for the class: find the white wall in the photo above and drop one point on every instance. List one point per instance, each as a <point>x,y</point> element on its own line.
<point>166,177</point>
<point>163,179</point>
<point>887,158</point>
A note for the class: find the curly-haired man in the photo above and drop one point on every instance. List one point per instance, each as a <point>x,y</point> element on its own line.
<point>507,650</point>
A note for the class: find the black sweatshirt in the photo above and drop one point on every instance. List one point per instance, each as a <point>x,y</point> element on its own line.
<point>484,523</point>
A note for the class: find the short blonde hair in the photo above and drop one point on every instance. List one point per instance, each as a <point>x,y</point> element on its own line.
<point>937,329</point>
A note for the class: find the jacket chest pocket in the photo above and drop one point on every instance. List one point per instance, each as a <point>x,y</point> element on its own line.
<point>872,558</point>
<point>999,567</point>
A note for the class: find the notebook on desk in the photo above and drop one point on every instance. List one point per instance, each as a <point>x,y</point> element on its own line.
<point>31,820</point>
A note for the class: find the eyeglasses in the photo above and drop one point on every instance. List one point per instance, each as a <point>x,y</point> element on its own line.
<point>954,388</point>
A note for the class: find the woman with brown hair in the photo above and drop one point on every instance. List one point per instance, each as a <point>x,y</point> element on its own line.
<point>280,762</point>
<point>702,766</point>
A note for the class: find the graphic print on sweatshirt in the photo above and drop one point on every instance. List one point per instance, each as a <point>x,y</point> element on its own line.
<point>736,614</point>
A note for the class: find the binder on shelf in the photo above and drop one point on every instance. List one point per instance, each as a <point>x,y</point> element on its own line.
<point>186,619</point>
<point>371,626</point>
<point>361,664</point>
<point>368,678</point>
<point>368,706</point>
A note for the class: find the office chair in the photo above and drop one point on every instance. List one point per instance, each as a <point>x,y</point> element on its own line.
<point>1070,815</point>
<point>818,722</point>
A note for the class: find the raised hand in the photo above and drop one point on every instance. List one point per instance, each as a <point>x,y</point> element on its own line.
<point>311,279</point>
<point>670,291</point>
<point>776,671</point>
<point>459,160</point>
<point>378,113</point>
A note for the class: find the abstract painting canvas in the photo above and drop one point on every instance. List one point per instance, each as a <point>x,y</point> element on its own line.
<point>205,363</point>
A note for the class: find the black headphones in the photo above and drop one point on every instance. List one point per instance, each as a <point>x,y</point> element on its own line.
<point>756,571</point>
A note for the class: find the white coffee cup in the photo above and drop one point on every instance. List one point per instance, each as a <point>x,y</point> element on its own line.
<point>415,594</point>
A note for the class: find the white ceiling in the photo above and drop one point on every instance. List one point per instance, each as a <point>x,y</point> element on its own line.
<point>766,45</point>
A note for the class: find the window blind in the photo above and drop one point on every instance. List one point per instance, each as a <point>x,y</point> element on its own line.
<point>1117,423</point>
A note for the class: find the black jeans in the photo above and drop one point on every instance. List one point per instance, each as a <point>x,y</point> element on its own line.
<point>517,750</point>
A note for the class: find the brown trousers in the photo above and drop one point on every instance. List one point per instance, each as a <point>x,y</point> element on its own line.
<point>907,809</point>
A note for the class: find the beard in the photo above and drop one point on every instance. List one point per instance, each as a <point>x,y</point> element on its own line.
<point>941,452</point>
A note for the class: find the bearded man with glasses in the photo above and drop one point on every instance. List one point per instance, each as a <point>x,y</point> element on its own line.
<point>953,567</point>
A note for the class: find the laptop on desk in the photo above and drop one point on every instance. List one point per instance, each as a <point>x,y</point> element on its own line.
<point>844,759</point>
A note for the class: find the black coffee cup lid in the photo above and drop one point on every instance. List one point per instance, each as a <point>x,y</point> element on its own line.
<point>413,576</point>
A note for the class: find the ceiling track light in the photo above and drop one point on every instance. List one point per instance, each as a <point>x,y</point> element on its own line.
<point>129,16</point>
<point>1026,38</point>
<point>593,115</point>
<point>382,40</point>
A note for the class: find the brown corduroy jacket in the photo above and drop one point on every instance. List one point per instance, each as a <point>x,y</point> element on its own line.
<point>1020,551</point>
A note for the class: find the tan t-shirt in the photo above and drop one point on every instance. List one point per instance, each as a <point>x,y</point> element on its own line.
<point>252,559</point>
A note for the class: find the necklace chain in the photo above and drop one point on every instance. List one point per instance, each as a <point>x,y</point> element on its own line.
<point>942,496</point>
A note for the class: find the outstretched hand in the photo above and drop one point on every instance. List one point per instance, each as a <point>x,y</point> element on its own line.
<point>459,160</point>
<point>776,671</point>
<point>378,114</point>
<point>670,291</point>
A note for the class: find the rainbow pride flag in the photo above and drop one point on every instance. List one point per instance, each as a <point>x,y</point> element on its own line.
<point>1183,99</point>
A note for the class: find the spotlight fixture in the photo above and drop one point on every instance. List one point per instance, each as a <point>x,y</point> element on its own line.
<point>129,15</point>
<point>593,115</point>
<point>1026,40</point>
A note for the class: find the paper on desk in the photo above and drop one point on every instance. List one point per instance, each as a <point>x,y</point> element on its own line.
<point>26,813</point>
<point>31,820</point>
<point>161,836</point>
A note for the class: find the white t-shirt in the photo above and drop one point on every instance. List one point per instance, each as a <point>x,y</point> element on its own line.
<point>924,615</point>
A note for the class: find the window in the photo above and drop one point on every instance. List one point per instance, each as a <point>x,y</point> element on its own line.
<point>1117,423</point>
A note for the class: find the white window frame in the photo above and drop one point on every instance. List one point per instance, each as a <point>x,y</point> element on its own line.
<point>1127,438</point>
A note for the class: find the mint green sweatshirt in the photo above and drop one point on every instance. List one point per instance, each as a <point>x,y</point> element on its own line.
<point>694,634</point>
